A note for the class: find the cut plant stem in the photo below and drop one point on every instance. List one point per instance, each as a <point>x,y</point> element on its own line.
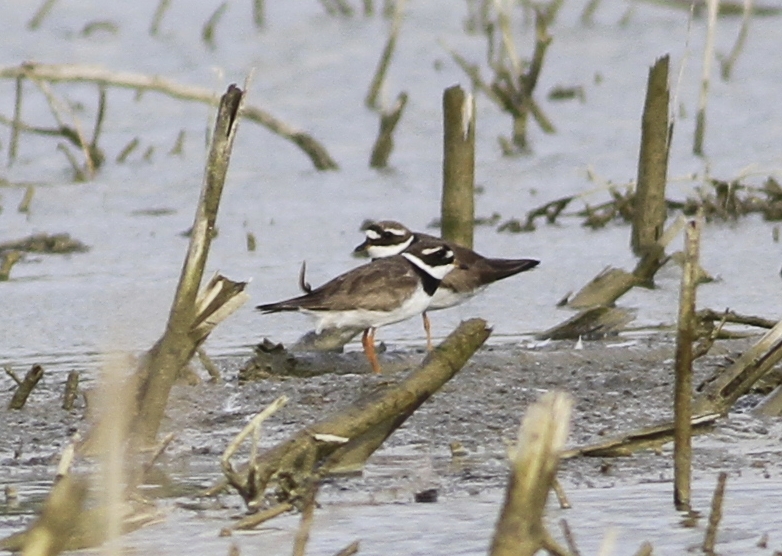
<point>520,530</point>
<point>26,387</point>
<point>458,201</point>
<point>715,515</point>
<point>371,100</point>
<point>71,390</point>
<point>708,59</point>
<point>649,202</point>
<point>179,341</point>
<point>682,409</point>
<point>384,143</point>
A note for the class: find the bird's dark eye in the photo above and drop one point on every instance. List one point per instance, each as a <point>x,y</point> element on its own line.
<point>387,234</point>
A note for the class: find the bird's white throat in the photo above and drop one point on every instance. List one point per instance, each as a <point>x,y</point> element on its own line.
<point>383,251</point>
<point>439,272</point>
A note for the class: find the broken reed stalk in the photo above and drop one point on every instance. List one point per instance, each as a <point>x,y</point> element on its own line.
<point>305,525</point>
<point>371,100</point>
<point>520,530</point>
<point>708,58</point>
<point>259,13</point>
<point>209,365</point>
<point>458,202</point>
<point>162,7</point>
<point>7,261</point>
<point>49,535</point>
<point>41,14</point>
<point>25,387</point>
<point>682,405</point>
<point>726,64</point>
<point>208,31</point>
<point>715,515</point>
<point>24,204</point>
<point>176,347</point>
<point>771,405</point>
<point>71,390</point>
<point>13,142</point>
<point>649,209</point>
<point>720,394</point>
<point>140,82</point>
<point>321,446</point>
<point>384,143</point>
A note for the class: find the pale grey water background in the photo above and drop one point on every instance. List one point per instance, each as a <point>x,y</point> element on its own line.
<point>312,71</point>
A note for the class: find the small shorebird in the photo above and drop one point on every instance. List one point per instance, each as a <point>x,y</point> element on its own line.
<point>388,238</point>
<point>381,292</point>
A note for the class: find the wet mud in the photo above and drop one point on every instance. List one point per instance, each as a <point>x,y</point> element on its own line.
<point>619,384</point>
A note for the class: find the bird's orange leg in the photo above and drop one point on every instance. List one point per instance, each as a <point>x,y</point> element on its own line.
<point>368,341</point>
<point>428,328</point>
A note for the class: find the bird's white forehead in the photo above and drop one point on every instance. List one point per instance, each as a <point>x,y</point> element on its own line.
<point>372,234</point>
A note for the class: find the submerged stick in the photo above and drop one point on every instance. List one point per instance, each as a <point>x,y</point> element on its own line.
<point>26,387</point>
<point>177,346</point>
<point>715,515</point>
<point>259,13</point>
<point>458,201</point>
<point>136,81</point>
<point>384,143</point>
<point>649,210</point>
<point>24,204</point>
<point>708,59</point>
<point>682,405</point>
<point>371,100</point>
<point>520,530</point>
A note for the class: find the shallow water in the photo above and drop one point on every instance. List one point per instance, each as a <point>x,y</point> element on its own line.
<point>312,70</point>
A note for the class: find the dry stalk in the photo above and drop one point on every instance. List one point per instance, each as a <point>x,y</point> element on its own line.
<point>371,100</point>
<point>25,387</point>
<point>721,393</point>
<point>259,13</point>
<point>458,200</point>
<point>682,408</point>
<point>520,530</point>
<point>24,204</point>
<point>125,152</point>
<point>208,32</point>
<point>162,6</point>
<point>71,390</point>
<point>254,520</point>
<point>708,59</point>
<point>307,514</point>
<point>726,64</point>
<point>384,143</point>
<point>140,82</point>
<point>359,429</point>
<point>192,317</point>
<point>715,515</point>
<point>41,14</point>
<point>649,209</point>
<point>7,261</point>
<point>13,143</point>
<point>211,368</point>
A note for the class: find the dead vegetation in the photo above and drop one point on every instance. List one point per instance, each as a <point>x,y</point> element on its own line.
<point>287,476</point>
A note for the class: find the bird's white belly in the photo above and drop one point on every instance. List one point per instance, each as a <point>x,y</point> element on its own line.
<point>444,298</point>
<point>362,318</point>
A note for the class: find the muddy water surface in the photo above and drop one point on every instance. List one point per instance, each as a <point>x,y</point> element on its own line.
<point>312,70</point>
